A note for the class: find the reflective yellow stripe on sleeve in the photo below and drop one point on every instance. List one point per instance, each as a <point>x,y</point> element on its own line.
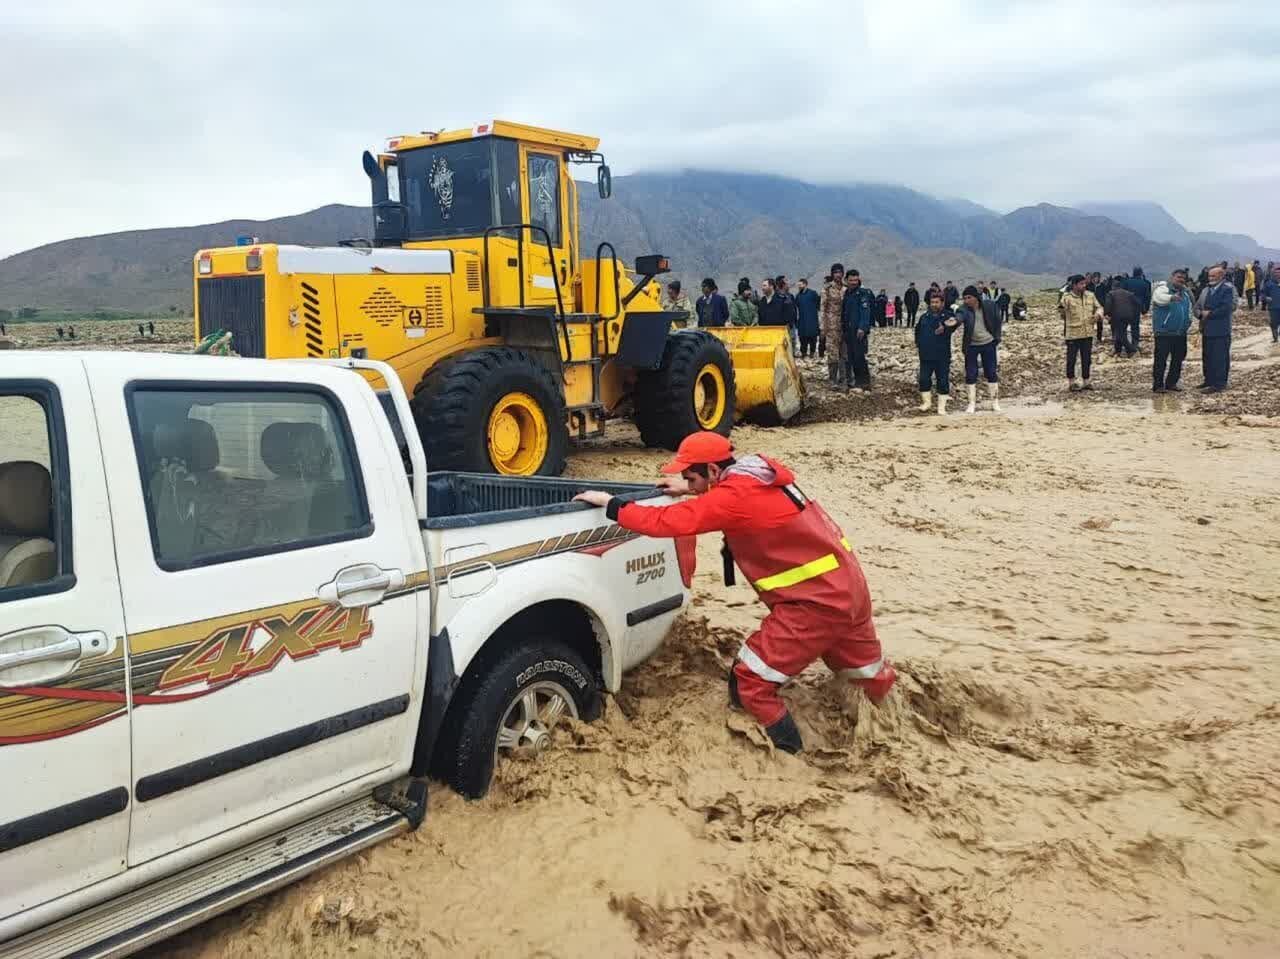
<point>798,574</point>
<point>844,541</point>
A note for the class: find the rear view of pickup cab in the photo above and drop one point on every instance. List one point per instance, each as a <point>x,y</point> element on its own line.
<point>235,637</point>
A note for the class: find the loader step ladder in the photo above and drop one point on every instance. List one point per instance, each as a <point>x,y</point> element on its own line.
<point>121,926</point>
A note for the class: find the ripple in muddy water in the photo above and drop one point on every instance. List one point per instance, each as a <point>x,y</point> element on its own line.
<point>1036,408</point>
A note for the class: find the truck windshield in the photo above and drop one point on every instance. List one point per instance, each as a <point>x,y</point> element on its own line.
<point>460,189</point>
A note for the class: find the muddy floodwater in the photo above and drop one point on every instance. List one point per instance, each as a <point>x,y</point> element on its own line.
<point>1082,758</point>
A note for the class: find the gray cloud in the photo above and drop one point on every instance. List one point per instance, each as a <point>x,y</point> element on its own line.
<point>143,113</point>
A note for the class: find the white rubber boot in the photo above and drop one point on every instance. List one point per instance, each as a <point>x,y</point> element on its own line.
<point>926,400</point>
<point>993,391</point>
<point>973,398</point>
<point>942,404</point>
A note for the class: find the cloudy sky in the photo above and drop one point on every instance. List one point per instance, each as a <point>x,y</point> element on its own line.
<point>122,114</point>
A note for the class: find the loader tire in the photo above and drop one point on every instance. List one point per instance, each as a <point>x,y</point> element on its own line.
<point>692,391</point>
<point>495,410</point>
<point>486,722</point>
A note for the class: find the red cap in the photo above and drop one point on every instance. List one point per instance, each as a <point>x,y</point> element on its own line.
<point>698,449</point>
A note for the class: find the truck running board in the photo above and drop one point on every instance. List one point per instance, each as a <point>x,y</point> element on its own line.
<point>121,926</point>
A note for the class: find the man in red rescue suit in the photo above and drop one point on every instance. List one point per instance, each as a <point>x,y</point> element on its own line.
<point>792,552</point>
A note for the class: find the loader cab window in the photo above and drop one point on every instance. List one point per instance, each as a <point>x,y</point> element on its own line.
<point>393,182</point>
<point>544,195</point>
<point>506,161</point>
<point>457,189</point>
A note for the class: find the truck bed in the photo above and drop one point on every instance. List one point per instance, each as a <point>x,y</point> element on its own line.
<point>456,500</point>
<point>475,499</point>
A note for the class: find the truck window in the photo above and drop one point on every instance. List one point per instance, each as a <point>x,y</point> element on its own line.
<point>233,472</point>
<point>35,554</point>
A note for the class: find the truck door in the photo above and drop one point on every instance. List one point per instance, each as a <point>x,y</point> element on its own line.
<point>544,207</point>
<point>263,556</point>
<point>64,717</point>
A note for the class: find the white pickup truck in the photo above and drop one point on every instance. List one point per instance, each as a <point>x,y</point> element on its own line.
<point>235,637</point>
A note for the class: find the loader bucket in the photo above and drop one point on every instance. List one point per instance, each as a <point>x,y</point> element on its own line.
<point>769,388</point>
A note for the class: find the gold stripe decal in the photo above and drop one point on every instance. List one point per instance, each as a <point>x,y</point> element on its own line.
<point>190,660</point>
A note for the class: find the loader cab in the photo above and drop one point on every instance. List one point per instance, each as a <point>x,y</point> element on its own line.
<point>504,185</point>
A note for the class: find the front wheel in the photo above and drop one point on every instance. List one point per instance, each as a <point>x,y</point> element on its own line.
<point>510,708</point>
<point>495,410</point>
<point>693,390</point>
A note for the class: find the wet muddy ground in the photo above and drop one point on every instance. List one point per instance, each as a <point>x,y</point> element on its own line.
<point>1083,600</point>
<point>1081,758</point>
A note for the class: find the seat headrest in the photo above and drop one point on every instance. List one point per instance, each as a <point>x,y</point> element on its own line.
<point>192,441</point>
<point>296,451</point>
<point>203,447</point>
<point>26,498</point>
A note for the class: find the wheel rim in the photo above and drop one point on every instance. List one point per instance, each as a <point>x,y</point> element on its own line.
<point>709,396</point>
<point>518,435</point>
<point>530,717</point>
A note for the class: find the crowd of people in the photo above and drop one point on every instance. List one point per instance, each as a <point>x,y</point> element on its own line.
<point>835,324</point>
<point>1210,300</point>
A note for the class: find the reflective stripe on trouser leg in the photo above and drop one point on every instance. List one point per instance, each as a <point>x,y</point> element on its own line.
<point>869,671</point>
<point>759,697</point>
<point>751,659</point>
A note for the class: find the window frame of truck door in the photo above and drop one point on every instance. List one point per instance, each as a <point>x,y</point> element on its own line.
<point>46,393</point>
<point>336,407</point>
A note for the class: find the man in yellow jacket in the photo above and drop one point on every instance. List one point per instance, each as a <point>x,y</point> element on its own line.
<point>1079,310</point>
<point>1250,283</point>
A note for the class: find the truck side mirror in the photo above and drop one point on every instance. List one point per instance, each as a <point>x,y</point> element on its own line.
<point>604,181</point>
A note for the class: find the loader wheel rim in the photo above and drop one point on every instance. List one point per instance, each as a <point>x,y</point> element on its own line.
<point>709,396</point>
<point>517,435</point>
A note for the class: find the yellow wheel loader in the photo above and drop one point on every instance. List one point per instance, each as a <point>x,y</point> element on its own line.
<point>508,336</point>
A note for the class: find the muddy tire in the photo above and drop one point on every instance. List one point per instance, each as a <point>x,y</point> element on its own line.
<point>490,704</point>
<point>494,410</point>
<point>693,390</point>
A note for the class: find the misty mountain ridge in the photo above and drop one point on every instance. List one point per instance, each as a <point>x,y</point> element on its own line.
<point>709,223</point>
<point>1156,223</point>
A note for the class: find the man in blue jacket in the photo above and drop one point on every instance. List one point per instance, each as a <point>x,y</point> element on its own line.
<point>1170,322</point>
<point>855,324</point>
<point>712,307</point>
<point>1140,287</point>
<point>807,305</point>
<point>933,344</point>
<point>1215,326</point>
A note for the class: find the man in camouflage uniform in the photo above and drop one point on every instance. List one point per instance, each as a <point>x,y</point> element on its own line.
<point>829,315</point>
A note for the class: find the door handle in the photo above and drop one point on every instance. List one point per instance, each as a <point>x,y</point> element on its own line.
<point>51,646</point>
<point>363,585</point>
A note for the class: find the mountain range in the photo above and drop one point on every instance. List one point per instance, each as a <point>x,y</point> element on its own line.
<point>1156,223</point>
<point>717,224</point>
